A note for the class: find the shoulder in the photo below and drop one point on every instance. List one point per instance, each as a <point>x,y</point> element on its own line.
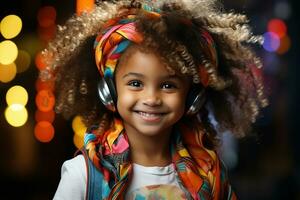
<point>75,169</point>
<point>73,180</point>
<point>75,165</point>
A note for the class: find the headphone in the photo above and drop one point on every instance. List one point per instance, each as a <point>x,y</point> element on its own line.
<point>108,96</point>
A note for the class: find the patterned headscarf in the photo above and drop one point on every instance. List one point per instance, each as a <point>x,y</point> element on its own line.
<point>114,40</point>
<point>118,33</point>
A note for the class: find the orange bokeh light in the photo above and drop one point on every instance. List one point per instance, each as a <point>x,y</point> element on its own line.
<point>44,131</point>
<point>44,85</point>
<point>285,45</point>
<point>84,6</point>
<point>7,72</point>
<point>44,116</point>
<point>47,33</point>
<point>46,16</point>
<point>45,100</point>
<point>40,61</point>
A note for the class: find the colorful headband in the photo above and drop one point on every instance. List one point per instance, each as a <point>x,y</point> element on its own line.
<point>110,45</point>
<point>119,33</point>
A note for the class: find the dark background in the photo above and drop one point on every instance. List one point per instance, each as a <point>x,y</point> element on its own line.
<point>266,166</point>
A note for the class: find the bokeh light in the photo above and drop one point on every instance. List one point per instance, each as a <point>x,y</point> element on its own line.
<point>44,116</point>
<point>8,52</point>
<point>285,45</point>
<point>45,100</point>
<point>46,16</point>
<point>271,63</point>
<point>23,61</point>
<point>16,115</point>
<point>77,124</point>
<point>10,26</point>
<point>282,9</point>
<point>84,6</point>
<point>44,131</point>
<point>44,85</point>
<point>31,43</point>
<point>7,72</point>
<point>271,42</point>
<point>17,95</point>
<point>80,132</point>
<point>47,33</point>
<point>40,61</point>
<point>278,27</point>
<point>78,141</point>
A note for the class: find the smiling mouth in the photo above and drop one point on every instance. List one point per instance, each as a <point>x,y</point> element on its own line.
<point>150,117</point>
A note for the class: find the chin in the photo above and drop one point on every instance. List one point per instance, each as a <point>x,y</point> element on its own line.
<point>148,130</point>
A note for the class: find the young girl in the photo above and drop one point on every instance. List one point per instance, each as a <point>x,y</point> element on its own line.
<point>146,76</point>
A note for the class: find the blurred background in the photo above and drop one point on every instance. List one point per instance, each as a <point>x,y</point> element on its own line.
<point>34,142</point>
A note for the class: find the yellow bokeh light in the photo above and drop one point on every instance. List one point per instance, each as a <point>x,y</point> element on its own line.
<point>78,141</point>
<point>17,95</point>
<point>80,132</point>
<point>31,43</point>
<point>7,72</point>
<point>77,124</point>
<point>8,52</point>
<point>16,115</point>
<point>11,26</point>
<point>23,61</point>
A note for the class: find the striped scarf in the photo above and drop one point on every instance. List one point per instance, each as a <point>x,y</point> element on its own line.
<point>117,35</point>
<point>201,175</point>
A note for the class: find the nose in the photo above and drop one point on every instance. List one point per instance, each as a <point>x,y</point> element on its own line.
<point>152,98</point>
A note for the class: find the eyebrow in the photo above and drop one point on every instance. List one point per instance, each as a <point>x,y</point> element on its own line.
<point>133,74</point>
<point>142,76</point>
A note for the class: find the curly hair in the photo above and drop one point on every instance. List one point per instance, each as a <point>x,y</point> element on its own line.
<point>235,94</point>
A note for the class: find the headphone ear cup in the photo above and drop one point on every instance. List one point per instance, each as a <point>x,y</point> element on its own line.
<point>195,100</point>
<point>107,93</point>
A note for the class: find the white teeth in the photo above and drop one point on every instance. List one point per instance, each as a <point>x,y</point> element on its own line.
<point>149,114</point>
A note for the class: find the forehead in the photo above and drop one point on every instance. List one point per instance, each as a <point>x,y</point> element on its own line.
<point>146,62</point>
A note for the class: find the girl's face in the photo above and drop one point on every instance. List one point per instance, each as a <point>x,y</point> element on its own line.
<point>150,100</point>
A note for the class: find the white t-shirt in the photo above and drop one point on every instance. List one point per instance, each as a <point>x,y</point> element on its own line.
<point>154,183</point>
<point>147,182</point>
<point>73,181</point>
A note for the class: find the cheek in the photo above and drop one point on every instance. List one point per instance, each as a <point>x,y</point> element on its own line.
<point>177,102</point>
<point>125,99</point>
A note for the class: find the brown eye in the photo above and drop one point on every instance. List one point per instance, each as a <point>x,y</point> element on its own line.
<point>135,83</point>
<point>168,86</point>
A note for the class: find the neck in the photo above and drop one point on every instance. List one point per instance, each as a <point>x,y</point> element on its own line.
<point>149,150</point>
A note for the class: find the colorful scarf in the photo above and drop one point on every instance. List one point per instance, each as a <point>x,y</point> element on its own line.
<point>118,33</point>
<point>201,175</point>
<point>113,41</point>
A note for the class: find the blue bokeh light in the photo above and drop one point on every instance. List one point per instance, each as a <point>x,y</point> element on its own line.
<point>271,41</point>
